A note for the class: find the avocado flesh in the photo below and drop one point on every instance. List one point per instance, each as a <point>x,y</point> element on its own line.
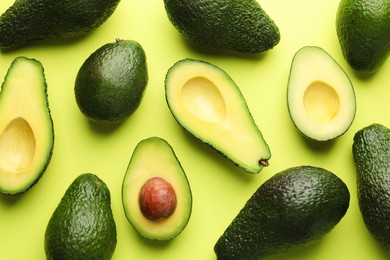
<point>207,103</point>
<point>293,208</point>
<point>371,155</point>
<point>154,157</point>
<point>320,96</point>
<point>36,20</point>
<point>26,127</point>
<point>363,30</point>
<point>239,25</point>
<point>82,226</point>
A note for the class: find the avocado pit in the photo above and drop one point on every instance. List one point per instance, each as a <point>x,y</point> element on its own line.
<point>157,199</point>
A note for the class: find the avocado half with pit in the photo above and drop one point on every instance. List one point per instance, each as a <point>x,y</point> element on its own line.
<point>206,102</point>
<point>320,96</point>
<point>156,194</point>
<point>26,126</point>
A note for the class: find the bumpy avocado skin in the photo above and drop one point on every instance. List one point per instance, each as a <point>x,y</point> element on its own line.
<point>363,29</point>
<point>239,25</point>
<point>371,152</point>
<point>35,20</point>
<point>294,207</point>
<point>111,82</point>
<point>82,226</point>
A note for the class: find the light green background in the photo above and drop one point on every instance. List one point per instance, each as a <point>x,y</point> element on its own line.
<point>219,188</point>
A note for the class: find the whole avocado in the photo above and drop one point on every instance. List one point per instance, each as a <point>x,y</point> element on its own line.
<point>82,226</point>
<point>293,208</point>
<point>239,25</point>
<point>36,20</point>
<point>111,82</point>
<point>363,30</point>
<point>371,153</point>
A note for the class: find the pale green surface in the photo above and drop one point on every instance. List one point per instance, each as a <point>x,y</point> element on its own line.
<point>219,188</point>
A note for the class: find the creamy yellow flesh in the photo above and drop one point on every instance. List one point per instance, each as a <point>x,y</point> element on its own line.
<point>321,102</point>
<point>208,104</point>
<point>17,146</point>
<point>26,136</point>
<point>321,98</point>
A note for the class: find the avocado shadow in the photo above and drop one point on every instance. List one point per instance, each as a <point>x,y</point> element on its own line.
<point>34,44</point>
<point>10,200</point>
<point>320,146</point>
<point>213,51</point>
<point>103,128</point>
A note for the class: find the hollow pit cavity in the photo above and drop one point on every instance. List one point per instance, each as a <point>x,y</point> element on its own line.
<point>204,100</point>
<point>321,102</point>
<point>17,146</point>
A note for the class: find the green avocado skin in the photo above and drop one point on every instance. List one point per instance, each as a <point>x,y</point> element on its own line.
<point>239,25</point>
<point>111,82</point>
<point>31,20</point>
<point>82,226</point>
<point>371,152</point>
<point>363,29</point>
<point>294,207</point>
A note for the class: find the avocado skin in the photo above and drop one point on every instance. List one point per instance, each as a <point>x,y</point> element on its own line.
<point>363,29</point>
<point>371,154</point>
<point>30,20</point>
<point>110,84</point>
<point>49,152</point>
<point>239,25</point>
<point>82,226</point>
<point>294,207</point>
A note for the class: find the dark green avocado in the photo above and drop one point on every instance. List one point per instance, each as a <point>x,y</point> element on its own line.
<point>293,208</point>
<point>371,153</point>
<point>239,25</point>
<point>82,226</point>
<point>111,82</point>
<point>363,30</point>
<point>36,20</point>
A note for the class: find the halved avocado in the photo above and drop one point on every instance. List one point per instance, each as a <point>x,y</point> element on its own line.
<point>156,194</point>
<point>26,126</point>
<point>206,102</point>
<point>320,96</point>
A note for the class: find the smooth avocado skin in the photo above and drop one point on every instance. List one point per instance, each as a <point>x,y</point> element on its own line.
<point>363,29</point>
<point>295,207</point>
<point>239,25</point>
<point>371,146</point>
<point>82,226</point>
<point>111,82</point>
<point>26,126</point>
<point>321,99</point>
<point>207,103</point>
<point>154,159</point>
<point>36,20</point>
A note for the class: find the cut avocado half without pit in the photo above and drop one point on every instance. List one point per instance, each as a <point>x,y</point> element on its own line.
<point>156,194</point>
<point>320,96</point>
<point>206,102</point>
<point>26,127</point>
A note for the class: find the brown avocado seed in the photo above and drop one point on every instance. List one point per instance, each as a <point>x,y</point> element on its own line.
<point>157,199</point>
